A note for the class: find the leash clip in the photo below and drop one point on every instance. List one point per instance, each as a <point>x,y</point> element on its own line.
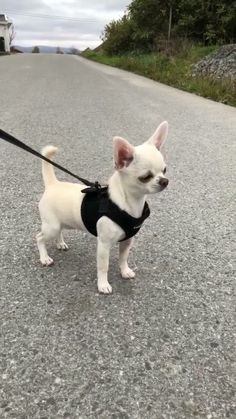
<point>96,187</point>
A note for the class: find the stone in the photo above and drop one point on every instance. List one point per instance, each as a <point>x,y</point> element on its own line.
<point>221,64</point>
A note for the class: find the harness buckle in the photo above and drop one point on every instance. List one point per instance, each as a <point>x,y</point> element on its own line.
<point>96,187</point>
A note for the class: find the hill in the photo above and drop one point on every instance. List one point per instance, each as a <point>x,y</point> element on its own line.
<point>45,49</point>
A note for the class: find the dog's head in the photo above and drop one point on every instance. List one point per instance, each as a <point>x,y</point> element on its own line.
<point>143,167</point>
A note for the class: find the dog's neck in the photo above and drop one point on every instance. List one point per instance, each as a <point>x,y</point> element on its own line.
<point>124,196</point>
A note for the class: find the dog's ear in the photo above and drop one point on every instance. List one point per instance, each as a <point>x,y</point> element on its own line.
<point>159,136</point>
<point>123,152</point>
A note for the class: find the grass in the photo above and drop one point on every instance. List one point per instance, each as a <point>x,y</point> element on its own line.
<point>174,70</point>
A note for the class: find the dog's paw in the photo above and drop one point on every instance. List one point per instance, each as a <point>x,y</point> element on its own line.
<point>47,261</point>
<point>62,246</point>
<point>127,273</point>
<point>104,288</point>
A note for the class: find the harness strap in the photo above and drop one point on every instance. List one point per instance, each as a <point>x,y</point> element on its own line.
<point>12,140</point>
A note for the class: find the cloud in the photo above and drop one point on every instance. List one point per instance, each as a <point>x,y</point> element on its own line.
<point>62,22</point>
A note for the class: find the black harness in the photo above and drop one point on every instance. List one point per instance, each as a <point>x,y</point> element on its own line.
<point>97,203</point>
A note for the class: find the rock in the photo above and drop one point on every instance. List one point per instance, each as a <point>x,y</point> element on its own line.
<point>221,64</point>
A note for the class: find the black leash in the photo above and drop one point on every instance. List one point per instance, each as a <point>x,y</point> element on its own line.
<point>12,140</point>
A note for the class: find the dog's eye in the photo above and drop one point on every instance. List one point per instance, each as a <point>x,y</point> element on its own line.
<point>146,177</point>
<point>164,171</point>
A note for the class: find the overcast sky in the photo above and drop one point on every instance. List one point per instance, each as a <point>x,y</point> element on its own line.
<point>82,24</point>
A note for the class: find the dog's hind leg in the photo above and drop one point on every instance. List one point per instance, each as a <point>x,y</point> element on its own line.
<point>48,232</point>
<point>61,245</point>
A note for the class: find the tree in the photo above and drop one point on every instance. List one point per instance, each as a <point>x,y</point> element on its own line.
<point>151,20</point>
<point>12,33</point>
<point>74,51</point>
<point>117,36</point>
<point>206,21</point>
<point>147,22</point>
<point>35,50</point>
<point>59,51</point>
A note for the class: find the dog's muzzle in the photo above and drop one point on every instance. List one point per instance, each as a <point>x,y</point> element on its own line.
<point>163,182</point>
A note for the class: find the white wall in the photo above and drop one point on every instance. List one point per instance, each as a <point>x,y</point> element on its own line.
<point>4,31</point>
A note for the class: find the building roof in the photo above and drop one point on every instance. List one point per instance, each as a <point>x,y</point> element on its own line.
<point>5,20</point>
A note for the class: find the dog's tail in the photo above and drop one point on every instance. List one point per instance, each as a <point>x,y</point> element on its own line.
<point>48,171</point>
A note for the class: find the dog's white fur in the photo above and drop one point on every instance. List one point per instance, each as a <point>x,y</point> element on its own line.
<point>61,202</point>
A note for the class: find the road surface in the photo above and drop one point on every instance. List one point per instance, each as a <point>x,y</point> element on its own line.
<point>161,346</point>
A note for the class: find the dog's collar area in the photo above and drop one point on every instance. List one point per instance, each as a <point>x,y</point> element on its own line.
<point>97,203</point>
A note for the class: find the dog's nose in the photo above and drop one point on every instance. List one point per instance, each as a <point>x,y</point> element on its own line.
<point>163,182</point>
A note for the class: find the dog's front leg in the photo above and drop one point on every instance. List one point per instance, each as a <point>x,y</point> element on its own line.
<point>103,252</point>
<point>125,247</point>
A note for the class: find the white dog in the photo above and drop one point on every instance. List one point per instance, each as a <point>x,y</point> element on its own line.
<point>115,213</point>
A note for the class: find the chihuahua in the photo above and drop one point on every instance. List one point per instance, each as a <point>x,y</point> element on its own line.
<point>139,171</point>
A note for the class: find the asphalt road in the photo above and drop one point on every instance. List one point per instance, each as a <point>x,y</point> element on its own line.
<point>161,346</point>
